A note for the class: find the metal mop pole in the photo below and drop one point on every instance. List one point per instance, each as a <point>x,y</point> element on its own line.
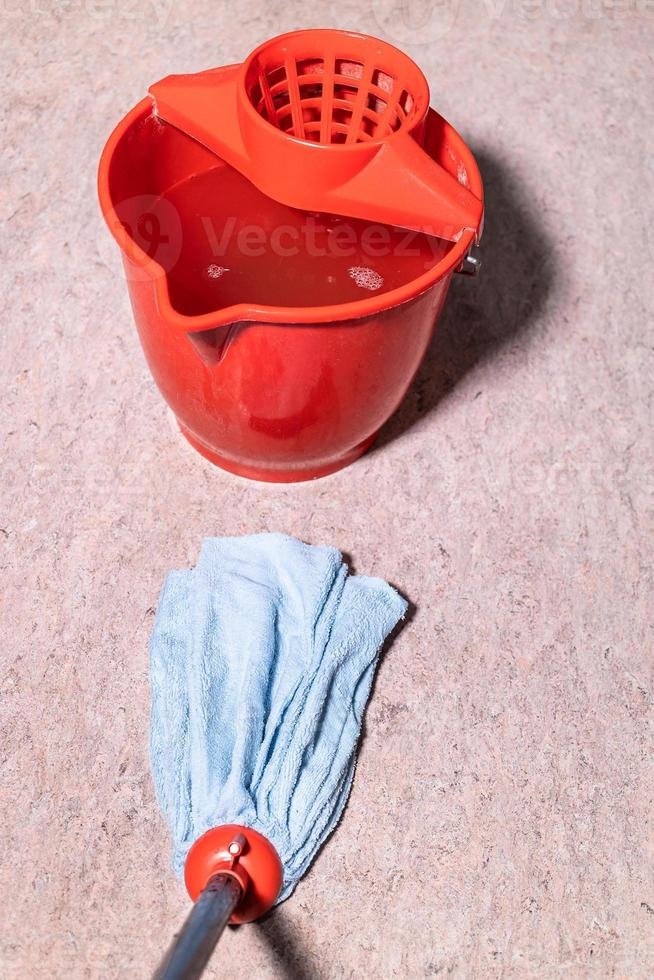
<point>191,949</point>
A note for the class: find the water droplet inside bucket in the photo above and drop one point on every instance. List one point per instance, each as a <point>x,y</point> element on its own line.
<point>366,278</point>
<point>216,271</point>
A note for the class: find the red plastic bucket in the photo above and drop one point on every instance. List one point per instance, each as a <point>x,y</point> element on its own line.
<point>270,392</point>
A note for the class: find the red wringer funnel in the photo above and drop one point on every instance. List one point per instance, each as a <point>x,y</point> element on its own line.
<point>283,365</point>
<point>327,121</point>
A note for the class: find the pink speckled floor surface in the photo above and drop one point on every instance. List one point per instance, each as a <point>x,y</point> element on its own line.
<point>500,821</point>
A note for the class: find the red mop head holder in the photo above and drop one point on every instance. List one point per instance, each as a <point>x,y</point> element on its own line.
<point>245,855</point>
<point>329,121</point>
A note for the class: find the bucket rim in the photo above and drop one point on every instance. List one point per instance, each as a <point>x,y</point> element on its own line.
<point>254,312</point>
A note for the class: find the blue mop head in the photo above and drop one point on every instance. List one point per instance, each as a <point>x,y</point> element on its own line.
<point>262,659</point>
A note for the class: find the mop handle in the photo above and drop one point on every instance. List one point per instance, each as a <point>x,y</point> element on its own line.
<point>191,949</point>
